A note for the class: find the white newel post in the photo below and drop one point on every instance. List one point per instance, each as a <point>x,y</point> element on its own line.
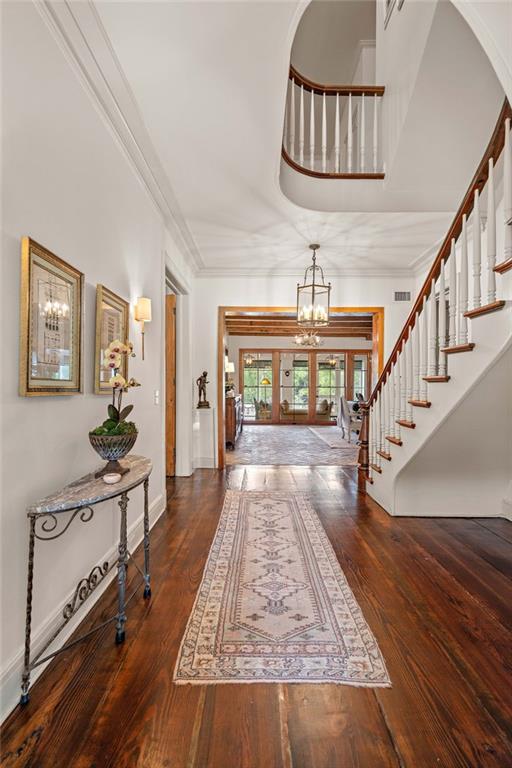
<point>416,359</point>
<point>362,138</point>
<point>337,135</point>
<point>324,135</point>
<point>463,283</point>
<point>292,120</point>
<point>452,296</point>
<point>491,236</point>
<point>349,134</point>
<point>312,132</point>
<point>432,336</point>
<point>442,322</point>
<point>507,192</point>
<point>301,127</point>
<point>424,350</point>
<point>477,253</point>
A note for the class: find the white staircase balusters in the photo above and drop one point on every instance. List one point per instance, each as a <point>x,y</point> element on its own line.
<point>463,277</point>
<point>491,236</point>
<point>349,134</point>
<point>432,334</point>
<point>396,371</point>
<point>312,132</point>
<point>372,436</point>
<point>410,374</point>
<point>391,386</point>
<point>301,126</point>
<point>362,138</point>
<point>507,192</point>
<point>416,358</point>
<point>337,135</point>
<point>442,367</point>
<point>378,433</point>
<point>385,413</point>
<point>403,382</point>
<point>424,350</point>
<point>452,297</point>
<point>291,145</point>
<point>375,133</point>
<point>477,252</point>
<point>324,135</point>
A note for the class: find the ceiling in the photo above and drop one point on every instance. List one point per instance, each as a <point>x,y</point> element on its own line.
<point>285,324</point>
<point>337,29</point>
<point>208,82</point>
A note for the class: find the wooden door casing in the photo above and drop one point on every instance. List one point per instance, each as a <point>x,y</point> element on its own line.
<point>170,385</point>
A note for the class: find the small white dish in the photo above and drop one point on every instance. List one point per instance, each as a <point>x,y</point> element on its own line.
<point>111,477</point>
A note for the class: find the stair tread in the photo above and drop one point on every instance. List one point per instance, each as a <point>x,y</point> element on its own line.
<point>436,379</point>
<point>405,423</point>
<point>420,403</point>
<point>376,468</point>
<point>504,266</point>
<point>486,309</point>
<point>394,440</point>
<point>458,348</point>
<point>385,455</point>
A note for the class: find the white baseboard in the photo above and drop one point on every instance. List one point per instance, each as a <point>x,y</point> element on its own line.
<point>10,676</point>
<point>204,462</point>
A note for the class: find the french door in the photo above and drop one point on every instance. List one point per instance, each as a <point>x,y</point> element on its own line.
<point>287,386</point>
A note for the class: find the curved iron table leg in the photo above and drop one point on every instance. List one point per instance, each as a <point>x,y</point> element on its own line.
<point>147,585</point>
<point>121,569</point>
<point>25,680</point>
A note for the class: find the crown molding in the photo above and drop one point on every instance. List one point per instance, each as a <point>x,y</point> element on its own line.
<point>81,36</point>
<point>273,272</point>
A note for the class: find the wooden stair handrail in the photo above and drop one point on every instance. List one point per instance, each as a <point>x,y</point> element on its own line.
<point>327,174</point>
<point>479,180</point>
<point>332,90</point>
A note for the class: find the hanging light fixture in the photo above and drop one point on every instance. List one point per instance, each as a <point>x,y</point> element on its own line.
<point>308,339</point>
<point>313,296</point>
<point>249,360</point>
<point>331,360</point>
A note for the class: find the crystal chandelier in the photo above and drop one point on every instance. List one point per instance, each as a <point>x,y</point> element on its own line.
<point>313,296</point>
<point>308,339</point>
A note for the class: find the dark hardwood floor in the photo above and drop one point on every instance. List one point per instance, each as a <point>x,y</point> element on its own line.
<point>436,593</point>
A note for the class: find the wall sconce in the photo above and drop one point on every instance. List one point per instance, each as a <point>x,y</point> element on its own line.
<point>142,314</point>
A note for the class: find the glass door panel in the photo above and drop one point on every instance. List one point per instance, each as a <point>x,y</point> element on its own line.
<point>361,377</point>
<point>293,387</point>
<point>257,386</point>
<point>330,385</point>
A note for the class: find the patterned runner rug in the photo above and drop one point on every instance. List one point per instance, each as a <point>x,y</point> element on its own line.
<point>274,604</point>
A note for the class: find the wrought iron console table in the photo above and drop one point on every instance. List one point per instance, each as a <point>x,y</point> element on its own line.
<point>78,499</point>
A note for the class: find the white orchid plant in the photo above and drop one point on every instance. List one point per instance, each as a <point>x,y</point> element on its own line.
<point>116,423</point>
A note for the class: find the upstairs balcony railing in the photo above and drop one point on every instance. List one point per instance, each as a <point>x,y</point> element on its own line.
<point>333,131</point>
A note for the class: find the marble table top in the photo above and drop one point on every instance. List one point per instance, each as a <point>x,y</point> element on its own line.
<point>90,490</point>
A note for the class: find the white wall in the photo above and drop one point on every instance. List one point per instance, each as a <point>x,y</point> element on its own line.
<point>68,184</point>
<point>473,481</point>
<point>210,293</point>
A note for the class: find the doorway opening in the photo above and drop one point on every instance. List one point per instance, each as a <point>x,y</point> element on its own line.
<point>283,403</point>
<point>170,380</point>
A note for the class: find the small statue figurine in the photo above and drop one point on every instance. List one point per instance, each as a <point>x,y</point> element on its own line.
<point>201,385</point>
